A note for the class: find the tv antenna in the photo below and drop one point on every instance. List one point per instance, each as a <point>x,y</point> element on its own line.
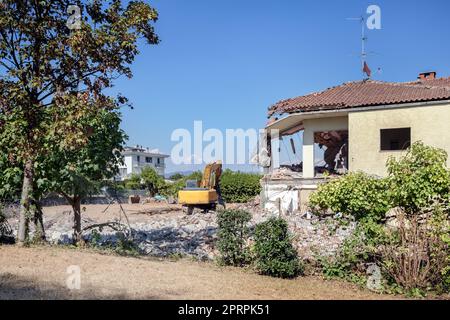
<point>364,38</point>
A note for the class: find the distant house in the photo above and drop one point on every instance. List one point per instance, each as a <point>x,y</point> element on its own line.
<point>357,126</point>
<point>136,158</point>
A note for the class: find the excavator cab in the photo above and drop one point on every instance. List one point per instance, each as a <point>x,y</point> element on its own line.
<point>204,195</point>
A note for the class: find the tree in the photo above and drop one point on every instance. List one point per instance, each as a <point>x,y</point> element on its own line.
<point>151,180</point>
<point>75,174</point>
<point>134,182</point>
<point>53,74</point>
<point>176,176</point>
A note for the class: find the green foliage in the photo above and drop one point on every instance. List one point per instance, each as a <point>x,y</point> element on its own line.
<point>360,248</point>
<point>10,179</point>
<point>54,77</point>
<point>416,255</point>
<point>176,176</point>
<point>152,182</point>
<point>196,175</point>
<point>171,189</point>
<point>134,182</point>
<point>156,184</point>
<point>417,177</point>
<point>80,172</point>
<point>239,187</point>
<point>232,236</point>
<point>356,194</point>
<point>124,245</point>
<point>274,254</point>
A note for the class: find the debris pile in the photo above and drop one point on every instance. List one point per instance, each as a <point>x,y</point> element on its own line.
<point>283,173</point>
<point>173,233</point>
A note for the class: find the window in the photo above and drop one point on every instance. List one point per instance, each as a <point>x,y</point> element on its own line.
<point>138,158</point>
<point>395,139</point>
<point>159,160</point>
<point>149,159</point>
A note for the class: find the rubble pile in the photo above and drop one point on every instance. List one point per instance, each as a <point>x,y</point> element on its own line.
<point>283,173</point>
<point>165,235</point>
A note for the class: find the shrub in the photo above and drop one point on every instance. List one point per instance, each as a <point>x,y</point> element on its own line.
<point>239,187</point>
<point>356,251</point>
<point>232,237</point>
<point>134,183</point>
<point>171,189</point>
<point>274,254</point>
<point>152,181</point>
<point>416,257</point>
<point>176,176</point>
<point>356,194</point>
<point>417,177</point>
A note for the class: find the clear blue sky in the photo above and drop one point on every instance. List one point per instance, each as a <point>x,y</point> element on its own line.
<point>226,61</point>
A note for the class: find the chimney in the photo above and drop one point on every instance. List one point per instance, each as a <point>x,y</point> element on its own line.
<point>427,75</point>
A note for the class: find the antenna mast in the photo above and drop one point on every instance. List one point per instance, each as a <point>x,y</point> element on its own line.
<point>363,55</point>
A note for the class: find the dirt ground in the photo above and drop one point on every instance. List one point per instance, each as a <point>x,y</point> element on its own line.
<point>102,213</point>
<point>41,273</point>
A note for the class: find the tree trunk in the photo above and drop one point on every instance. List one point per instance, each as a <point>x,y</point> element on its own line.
<point>27,191</point>
<point>39,233</point>
<point>76,205</point>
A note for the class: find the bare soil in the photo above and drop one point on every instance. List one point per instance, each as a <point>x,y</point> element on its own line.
<point>41,273</point>
<point>101,213</point>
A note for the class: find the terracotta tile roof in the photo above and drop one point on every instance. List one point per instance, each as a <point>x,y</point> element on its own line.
<point>366,93</point>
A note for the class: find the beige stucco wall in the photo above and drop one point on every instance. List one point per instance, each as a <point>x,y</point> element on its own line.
<point>430,124</point>
<point>317,125</point>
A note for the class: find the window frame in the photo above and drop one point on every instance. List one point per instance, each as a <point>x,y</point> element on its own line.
<point>392,129</point>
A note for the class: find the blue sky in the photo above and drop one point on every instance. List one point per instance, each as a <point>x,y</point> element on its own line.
<point>225,61</point>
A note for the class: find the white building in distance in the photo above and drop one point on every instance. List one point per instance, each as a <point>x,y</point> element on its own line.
<point>136,158</point>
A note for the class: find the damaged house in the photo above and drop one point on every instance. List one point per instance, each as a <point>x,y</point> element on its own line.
<point>352,127</point>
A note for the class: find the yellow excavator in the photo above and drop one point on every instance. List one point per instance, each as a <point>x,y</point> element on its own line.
<point>206,194</point>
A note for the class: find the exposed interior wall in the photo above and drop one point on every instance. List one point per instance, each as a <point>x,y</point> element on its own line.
<point>287,197</point>
<point>430,124</point>
<point>317,125</point>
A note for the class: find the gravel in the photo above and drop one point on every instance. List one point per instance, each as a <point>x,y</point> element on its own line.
<point>176,234</point>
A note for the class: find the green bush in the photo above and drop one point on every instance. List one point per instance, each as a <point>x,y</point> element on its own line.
<point>359,248</point>
<point>418,183</point>
<point>171,189</point>
<point>274,254</point>
<point>152,182</point>
<point>356,194</point>
<point>176,176</point>
<point>417,177</point>
<point>134,183</point>
<point>232,237</point>
<point>239,187</point>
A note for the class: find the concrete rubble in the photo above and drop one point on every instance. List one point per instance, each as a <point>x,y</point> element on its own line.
<point>166,235</point>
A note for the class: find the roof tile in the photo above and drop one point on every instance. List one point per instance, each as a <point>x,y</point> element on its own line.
<point>366,93</point>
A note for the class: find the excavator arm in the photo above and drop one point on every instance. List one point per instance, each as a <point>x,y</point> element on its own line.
<point>211,175</point>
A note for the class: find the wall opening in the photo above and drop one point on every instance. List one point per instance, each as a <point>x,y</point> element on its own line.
<point>331,152</point>
<point>395,139</point>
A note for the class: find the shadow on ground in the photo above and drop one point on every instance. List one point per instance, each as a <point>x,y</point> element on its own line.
<point>13,287</point>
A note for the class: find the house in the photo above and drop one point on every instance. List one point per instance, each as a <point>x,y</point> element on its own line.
<point>352,127</point>
<point>136,158</point>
